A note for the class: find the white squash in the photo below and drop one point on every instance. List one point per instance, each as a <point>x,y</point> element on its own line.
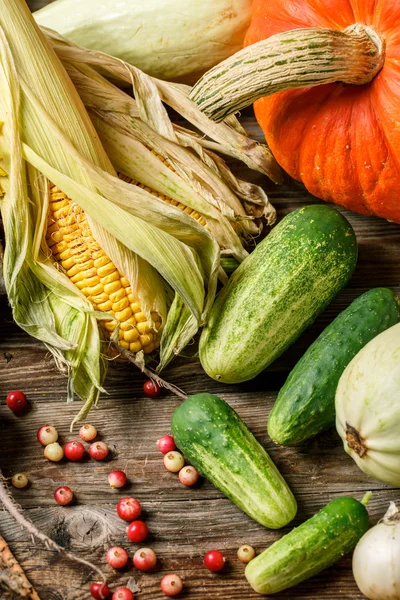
<point>176,40</point>
<point>368,407</point>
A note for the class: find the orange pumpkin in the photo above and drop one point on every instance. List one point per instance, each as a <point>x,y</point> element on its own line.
<point>342,141</point>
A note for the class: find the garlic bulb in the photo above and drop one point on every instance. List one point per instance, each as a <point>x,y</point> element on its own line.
<point>376,559</point>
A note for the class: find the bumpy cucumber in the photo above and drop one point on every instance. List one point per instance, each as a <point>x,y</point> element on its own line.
<point>306,403</point>
<point>277,292</point>
<point>219,444</point>
<point>310,548</point>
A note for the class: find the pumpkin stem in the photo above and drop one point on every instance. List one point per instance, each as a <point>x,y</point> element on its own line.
<point>293,59</point>
<point>355,441</point>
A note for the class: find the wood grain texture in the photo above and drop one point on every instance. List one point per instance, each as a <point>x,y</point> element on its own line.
<point>184,523</point>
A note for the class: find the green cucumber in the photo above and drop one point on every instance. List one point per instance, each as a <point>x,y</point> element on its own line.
<point>313,546</point>
<point>306,403</point>
<point>277,292</point>
<point>218,443</point>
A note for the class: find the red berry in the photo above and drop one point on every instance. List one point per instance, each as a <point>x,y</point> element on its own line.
<point>188,476</point>
<point>214,561</point>
<point>166,444</point>
<point>47,435</point>
<point>144,559</point>
<point>151,389</point>
<point>53,452</point>
<point>171,585</point>
<point>117,557</point>
<point>87,433</point>
<point>99,591</point>
<point>16,401</point>
<point>129,509</point>
<point>174,461</point>
<point>137,531</point>
<point>98,450</point>
<point>117,479</point>
<point>74,450</point>
<point>122,594</point>
<point>63,495</point>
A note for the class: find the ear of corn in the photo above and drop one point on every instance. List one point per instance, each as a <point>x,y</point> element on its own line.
<point>49,141</point>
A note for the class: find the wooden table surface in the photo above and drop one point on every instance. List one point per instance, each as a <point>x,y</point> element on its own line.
<point>184,523</point>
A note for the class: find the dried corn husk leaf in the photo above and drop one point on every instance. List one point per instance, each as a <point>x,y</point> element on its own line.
<point>179,330</point>
<point>230,137</point>
<point>198,170</point>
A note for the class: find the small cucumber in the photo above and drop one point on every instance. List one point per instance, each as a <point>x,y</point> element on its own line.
<point>313,546</point>
<point>277,292</point>
<point>306,403</point>
<point>218,443</point>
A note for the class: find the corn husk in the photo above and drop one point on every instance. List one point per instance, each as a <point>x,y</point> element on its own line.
<point>146,120</point>
<point>230,137</point>
<point>48,137</point>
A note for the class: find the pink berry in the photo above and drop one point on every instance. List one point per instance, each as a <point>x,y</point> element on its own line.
<point>188,476</point>
<point>19,480</point>
<point>74,450</point>
<point>47,435</point>
<point>63,495</point>
<point>98,450</point>
<point>151,389</point>
<point>16,401</point>
<point>87,432</point>
<point>99,591</point>
<point>117,479</point>
<point>137,531</point>
<point>166,444</point>
<point>246,553</point>
<point>174,461</point>
<point>122,594</point>
<point>117,557</point>
<point>214,561</point>
<point>54,452</point>
<point>171,585</point>
<point>144,559</point>
<point>129,509</point>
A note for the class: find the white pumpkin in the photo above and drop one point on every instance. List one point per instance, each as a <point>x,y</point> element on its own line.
<point>175,40</point>
<point>368,407</point>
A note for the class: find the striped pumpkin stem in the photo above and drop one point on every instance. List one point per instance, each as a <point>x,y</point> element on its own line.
<point>293,59</point>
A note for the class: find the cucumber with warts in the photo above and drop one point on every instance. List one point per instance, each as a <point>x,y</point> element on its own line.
<point>306,403</point>
<point>278,291</point>
<point>313,546</point>
<point>218,443</point>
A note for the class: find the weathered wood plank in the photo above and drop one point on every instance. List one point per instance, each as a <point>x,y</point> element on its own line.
<point>184,523</point>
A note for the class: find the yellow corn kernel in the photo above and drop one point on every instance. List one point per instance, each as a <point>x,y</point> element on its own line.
<point>129,324</point>
<point>122,315</point>
<point>145,340</point>
<point>143,326</point>
<point>140,317</point>
<point>131,335</point>
<point>118,295</point>
<point>105,306</point>
<point>135,347</point>
<point>112,287</point>
<point>121,304</point>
